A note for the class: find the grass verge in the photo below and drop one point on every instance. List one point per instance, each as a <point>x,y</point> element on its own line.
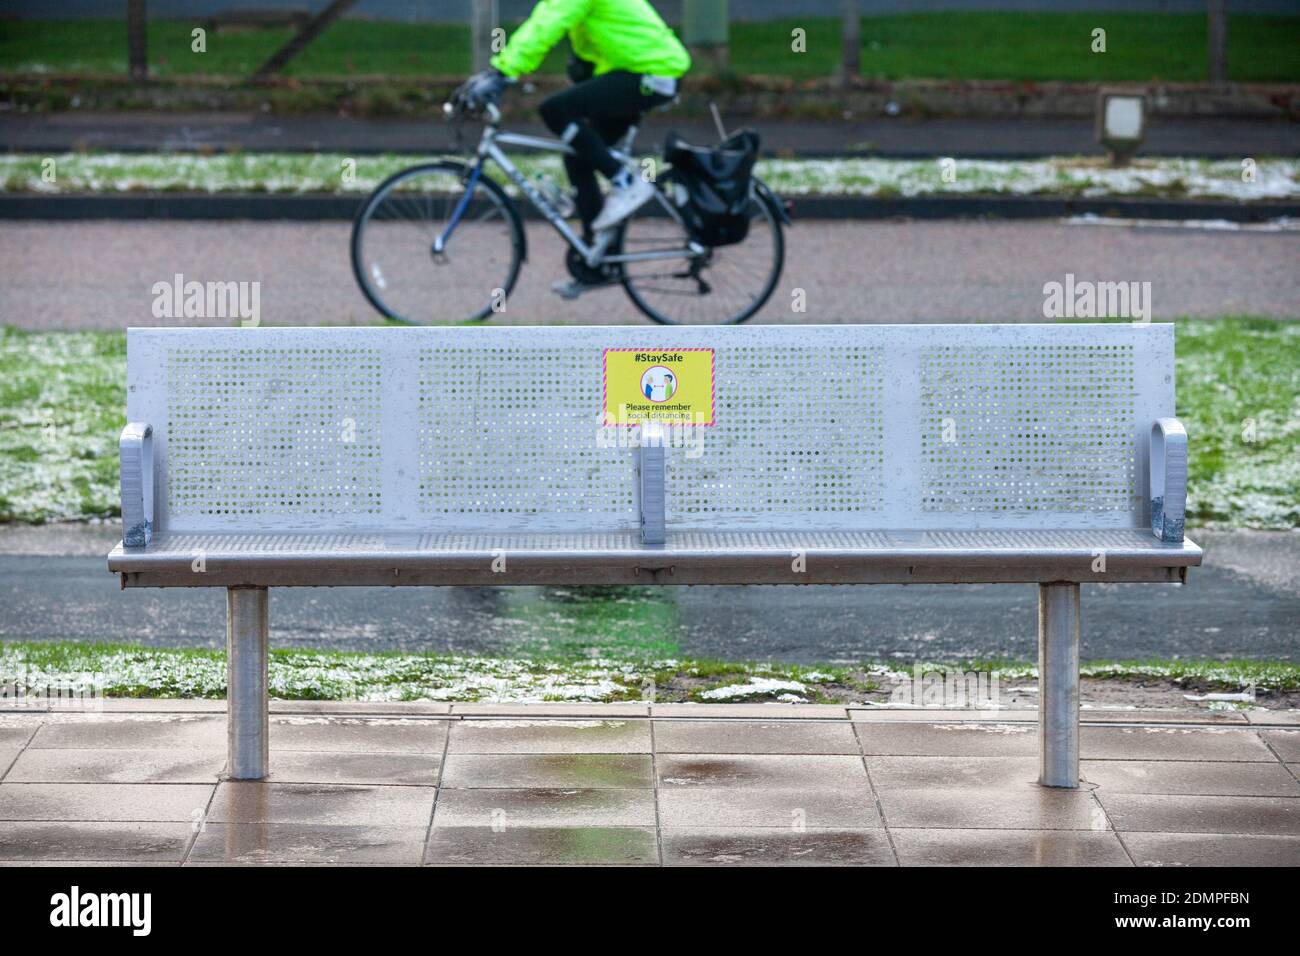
<point>63,394</point>
<point>129,671</point>
<point>291,173</point>
<point>1036,46</point>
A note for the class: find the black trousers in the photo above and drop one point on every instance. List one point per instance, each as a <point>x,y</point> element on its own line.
<point>600,110</point>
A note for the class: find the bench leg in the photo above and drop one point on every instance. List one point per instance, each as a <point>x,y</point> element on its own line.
<point>1058,685</point>
<point>247,702</point>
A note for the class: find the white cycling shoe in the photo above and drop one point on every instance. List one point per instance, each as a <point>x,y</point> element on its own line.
<point>570,289</point>
<point>622,201</point>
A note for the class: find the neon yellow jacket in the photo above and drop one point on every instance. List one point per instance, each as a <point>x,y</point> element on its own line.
<point>612,34</point>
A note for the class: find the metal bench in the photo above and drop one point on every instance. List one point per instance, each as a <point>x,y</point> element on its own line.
<point>1043,454</point>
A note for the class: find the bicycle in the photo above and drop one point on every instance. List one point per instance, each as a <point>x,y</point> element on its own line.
<point>464,218</point>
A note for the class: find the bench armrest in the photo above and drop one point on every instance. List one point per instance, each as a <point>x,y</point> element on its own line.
<point>136,450</point>
<point>1168,479</point>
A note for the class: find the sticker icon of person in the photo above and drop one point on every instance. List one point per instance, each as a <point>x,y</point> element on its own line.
<point>658,384</point>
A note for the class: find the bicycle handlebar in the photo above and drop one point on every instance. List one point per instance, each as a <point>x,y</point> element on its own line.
<point>456,106</point>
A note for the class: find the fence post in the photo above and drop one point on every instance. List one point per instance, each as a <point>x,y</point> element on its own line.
<point>483,19</point>
<point>850,39</point>
<point>1218,42</point>
<point>704,31</point>
<point>137,52</point>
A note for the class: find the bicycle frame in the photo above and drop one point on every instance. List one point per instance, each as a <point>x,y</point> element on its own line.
<point>489,148</point>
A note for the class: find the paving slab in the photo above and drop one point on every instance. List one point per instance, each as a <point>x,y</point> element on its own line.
<point>946,847</point>
<point>761,771</point>
<point>117,766</point>
<point>119,802</point>
<point>1212,849</point>
<point>1023,807</point>
<point>97,843</point>
<point>565,771</point>
<point>749,711</point>
<point>948,739</point>
<point>163,705</point>
<point>1190,777</point>
<point>355,708</point>
<point>133,732</point>
<point>7,757</point>
<point>15,732</point>
<point>1172,743</point>
<point>243,843</point>
<point>918,773</point>
<point>618,709</point>
<point>724,807</point>
<point>570,736</point>
<point>1285,743</point>
<point>1273,717</point>
<point>169,705</point>
<point>111,864</point>
<point>1029,715</point>
<point>255,802</point>
<point>1199,814</point>
<point>776,847</point>
<point>753,737</point>
<point>393,769</point>
<point>536,846</point>
<point>358,735</point>
<point>1202,716</point>
<point>900,715</point>
<point>545,808</point>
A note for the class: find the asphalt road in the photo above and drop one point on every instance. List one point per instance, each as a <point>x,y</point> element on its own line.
<point>1243,602</point>
<point>985,138</point>
<point>99,274</point>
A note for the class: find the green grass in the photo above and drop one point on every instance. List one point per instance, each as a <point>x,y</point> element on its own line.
<point>124,670</point>
<point>979,45</point>
<point>62,396</point>
<point>62,406</point>
<point>1234,376</point>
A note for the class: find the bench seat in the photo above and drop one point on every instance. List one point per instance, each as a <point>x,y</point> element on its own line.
<point>741,557</point>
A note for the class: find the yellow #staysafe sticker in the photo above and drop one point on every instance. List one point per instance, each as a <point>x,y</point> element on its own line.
<point>670,386</point>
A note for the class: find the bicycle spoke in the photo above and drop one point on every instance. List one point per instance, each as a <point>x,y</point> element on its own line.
<point>724,286</point>
<point>393,247</point>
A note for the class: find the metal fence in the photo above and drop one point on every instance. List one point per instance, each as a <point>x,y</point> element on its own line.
<point>458,11</point>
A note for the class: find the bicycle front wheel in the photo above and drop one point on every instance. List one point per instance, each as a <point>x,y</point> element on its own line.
<point>721,286</point>
<point>420,261</point>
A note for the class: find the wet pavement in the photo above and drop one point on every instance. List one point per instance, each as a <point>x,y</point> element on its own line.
<point>1243,602</point>
<point>645,784</point>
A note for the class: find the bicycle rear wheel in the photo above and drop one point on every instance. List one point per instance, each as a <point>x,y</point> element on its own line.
<point>722,286</point>
<point>405,275</point>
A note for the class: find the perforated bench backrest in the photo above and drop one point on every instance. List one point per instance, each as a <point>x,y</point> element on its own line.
<point>499,429</point>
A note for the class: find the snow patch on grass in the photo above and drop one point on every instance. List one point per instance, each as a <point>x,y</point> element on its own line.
<point>289,173</point>
<point>297,675</point>
<point>758,687</point>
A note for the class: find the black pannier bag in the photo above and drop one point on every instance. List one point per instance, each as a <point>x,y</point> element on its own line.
<point>712,191</point>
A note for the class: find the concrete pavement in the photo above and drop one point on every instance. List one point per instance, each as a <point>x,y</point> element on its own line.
<point>99,274</point>
<point>644,785</point>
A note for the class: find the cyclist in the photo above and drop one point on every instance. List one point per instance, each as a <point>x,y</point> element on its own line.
<point>625,61</point>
